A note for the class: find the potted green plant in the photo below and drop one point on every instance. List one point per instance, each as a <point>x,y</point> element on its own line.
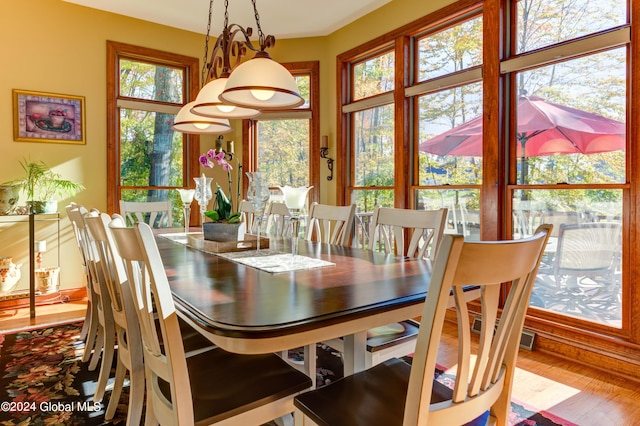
<point>43,187</point>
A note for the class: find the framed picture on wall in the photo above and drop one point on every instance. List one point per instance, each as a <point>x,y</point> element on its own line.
<point>48,117</point>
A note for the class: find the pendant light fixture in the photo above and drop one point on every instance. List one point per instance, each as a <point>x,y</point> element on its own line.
<point>238,90</point>
<point>188,122</point>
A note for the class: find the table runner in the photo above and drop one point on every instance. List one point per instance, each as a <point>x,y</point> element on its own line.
<point>267,260</point>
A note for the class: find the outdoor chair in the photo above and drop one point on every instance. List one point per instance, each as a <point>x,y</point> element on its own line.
<point>389,232</point>
<point>398,393</point>
<point>212,386</point>
<point>586,251</point>
<point>155,213</point>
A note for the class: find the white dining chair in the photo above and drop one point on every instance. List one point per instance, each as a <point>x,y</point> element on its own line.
<point>102,337</point>
<point>390,230</point>
<point>277,215</point>
<point>156,213</point>
<point>330,224</point>
<point>210,387</point>
<point>396,392</point>
<point>247,214</point>
<point>129,354</point>
<point>90,324</point>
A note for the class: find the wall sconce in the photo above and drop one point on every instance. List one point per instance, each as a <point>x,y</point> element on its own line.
<point>228,154</point>
<point>324,151</point>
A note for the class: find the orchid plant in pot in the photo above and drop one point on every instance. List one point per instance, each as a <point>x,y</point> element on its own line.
<point>225,224</point>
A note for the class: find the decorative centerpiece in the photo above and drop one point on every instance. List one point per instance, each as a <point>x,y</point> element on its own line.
<point>225,225</point>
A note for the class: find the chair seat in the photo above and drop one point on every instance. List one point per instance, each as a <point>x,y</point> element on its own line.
<point>225,384</point>
<point>384,386</point>
<point>192,340</point>
<point>384,337</point>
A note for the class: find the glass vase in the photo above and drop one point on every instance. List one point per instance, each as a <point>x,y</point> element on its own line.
<point>258,195</point>
<point>203,193</point>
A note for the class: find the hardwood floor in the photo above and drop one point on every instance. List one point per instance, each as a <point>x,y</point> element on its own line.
<point>583,395</point>
<point>18,318</point>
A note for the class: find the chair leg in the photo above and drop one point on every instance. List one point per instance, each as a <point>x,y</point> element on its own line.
<point>136,396</point>
<point>107,361</point>
<point>121,372</point>
<point>97,350</point>
<point>310,363</point>
<point>87,322</point>
<point>92,333</point>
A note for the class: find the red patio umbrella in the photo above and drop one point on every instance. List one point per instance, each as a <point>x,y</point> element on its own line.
<point>544,128</point>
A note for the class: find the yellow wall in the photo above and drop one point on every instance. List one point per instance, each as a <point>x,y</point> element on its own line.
<point>56,47</point>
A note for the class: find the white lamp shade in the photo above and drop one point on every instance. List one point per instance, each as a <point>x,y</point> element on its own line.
<point>187,122</point>
<point>275,86</point>
<point>208,103</point>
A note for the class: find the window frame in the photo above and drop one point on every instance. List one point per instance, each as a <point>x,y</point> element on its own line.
<point>190,67</point>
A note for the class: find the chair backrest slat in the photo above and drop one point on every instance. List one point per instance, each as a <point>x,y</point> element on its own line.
<point>155,213</point>
<point>277,214</point>
<point>424,229</point>
<point>330,224</point>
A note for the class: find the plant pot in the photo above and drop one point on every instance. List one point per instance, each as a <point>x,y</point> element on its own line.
<point>47,279</point>
<point>9,195</point>
<point>41,207</point>
<point>221,231</point>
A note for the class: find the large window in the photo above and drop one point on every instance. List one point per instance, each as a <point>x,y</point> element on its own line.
<point>146,158</point>
<point>568,148</point>
<point>372,137</point>
<point>511,116</point>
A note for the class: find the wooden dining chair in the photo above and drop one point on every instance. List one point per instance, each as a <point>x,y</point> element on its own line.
<point>277,215</point>
<point>89,327</point>
<point>397,393</point>
<point>388,229</point>
<point>248,214</point>
<point>330,224</point>
<point>156,213</point>
<point>213,386</point>
<point>102,337</point>
<point>129,354</point>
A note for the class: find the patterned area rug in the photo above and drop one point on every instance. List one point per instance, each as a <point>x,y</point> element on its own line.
<point>44,382</point>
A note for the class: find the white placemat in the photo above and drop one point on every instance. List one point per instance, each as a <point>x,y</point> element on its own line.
<point>267,260</point>
<point>274,261</point>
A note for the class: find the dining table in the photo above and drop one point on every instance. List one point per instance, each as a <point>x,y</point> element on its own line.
<point>247,310</point>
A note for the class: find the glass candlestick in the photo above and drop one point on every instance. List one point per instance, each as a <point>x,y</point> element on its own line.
<point>203,194</point>
<point>186,195</point>
<point>295,198</point>
<point>258,194</point>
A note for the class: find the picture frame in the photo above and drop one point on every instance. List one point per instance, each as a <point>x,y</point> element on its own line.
<point>48,117</point>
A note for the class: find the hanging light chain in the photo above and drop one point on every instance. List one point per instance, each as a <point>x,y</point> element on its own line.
<point>261,39</point>
<point>205,60</point>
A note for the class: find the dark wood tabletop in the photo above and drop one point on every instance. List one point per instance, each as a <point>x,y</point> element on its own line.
<point>238,306</point>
